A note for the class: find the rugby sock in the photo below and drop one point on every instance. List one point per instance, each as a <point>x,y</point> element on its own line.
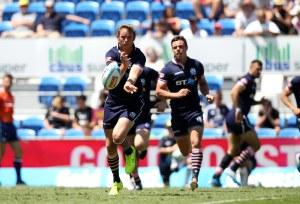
<point>18,166</point>
<point>197,157</point>
<point>223,165</point>
<point>136,177</point>
<point>114,166</point>
<point>244,155</point>
<point>126,146</point>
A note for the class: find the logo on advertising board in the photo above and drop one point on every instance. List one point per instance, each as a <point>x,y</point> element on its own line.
<point>65,59</point>
<point>274,57</point>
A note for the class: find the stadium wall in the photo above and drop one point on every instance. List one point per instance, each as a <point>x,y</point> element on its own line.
<point>225,56</point>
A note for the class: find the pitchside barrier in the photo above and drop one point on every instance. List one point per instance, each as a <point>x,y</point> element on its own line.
<point>82,163</point>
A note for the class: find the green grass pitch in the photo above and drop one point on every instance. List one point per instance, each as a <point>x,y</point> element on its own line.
<point>154,196</point>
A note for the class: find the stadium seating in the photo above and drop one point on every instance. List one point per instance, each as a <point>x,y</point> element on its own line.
<point>17,123</point>
<point>5,26</point>
<point>25,134</point>
<point>252,118</point>
<point>38,8</point>
<point>214,82</point>
<point>158,133</point>
<point>266,133</point>
<point>74,134</point>
<point>213,133</point>
<point>103,27</point>
<point>72,87</point>
<point>98,133</point>
<point>184,9</point>
<point>72,1</point>
<point>33,123</point>
<point>228,26</point>
<point>157,10</point>
<point>289,133</point>
<point>112,10</point>
<point>207,25</point>
<point>87,9</point>
<point>48,88</point>
<point>138,10</point>
<point>184,23</point>
<point>64,7</point>
<point>76,30</point>
<point>49,134</point>
<point>291,120</point>
<point>161,120</point>
<point>8,10</point>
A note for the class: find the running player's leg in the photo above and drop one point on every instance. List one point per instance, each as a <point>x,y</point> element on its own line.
<point>16,147</point>
<point>113,162</point>
<point>119,136</point>
<point>197,154</point>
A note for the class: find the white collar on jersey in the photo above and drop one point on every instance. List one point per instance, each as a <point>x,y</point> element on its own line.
<point>179,64</point>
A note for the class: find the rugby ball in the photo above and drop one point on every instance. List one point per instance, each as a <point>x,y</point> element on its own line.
<point>111,76</point>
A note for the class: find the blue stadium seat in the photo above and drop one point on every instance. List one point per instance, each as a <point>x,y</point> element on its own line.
<point>291,120</point>
<point>184,9</point>
<point>64,7</point>
<point>289,133</point>
<point>184,23</point>
<point>161,120</point>
<point>33,123</point>
<point>87,9</point>
<point>134,23</point>
<point>214,82</point>
<point>207,25</point>
<point>252,118</point>
<point>49,134</point>
<point>282,121</point>
<point>9,9</point>
<point>228,26</point>
<point>74,134</point>
<point>73,86</point>
<point>157,10</point>
<point>114,10</point>
<point>25,134</point>
<point>99,133</point>
<point>72,1</point>
<point>17,123</point>
<point>48,88</point>
<point>5,26</point>
<point>138,10</point>
<point>158,133</point>
<point>213,133</point>
<point>38,8</point>
<point>266,133</point>
<point>103,27</point>
<point>76,30</point>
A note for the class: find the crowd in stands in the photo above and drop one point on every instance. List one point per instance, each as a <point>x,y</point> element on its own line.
<point>199,18</point>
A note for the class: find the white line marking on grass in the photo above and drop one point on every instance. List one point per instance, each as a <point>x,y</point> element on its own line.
<point>240,200</point>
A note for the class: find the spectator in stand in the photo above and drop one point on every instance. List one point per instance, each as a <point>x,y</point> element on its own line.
<point>49,24</point>
<point>98,113</point>
<point>214,114</point>
<point>231,8</point>
<point>282,18</point>
<point>172,21</point>
<point>22,22</point>
<point>262,26</point>
<point>244,17</point>
<point>295,13</point>
<point>211,9</point>
<point>193,30</point>
<point>268,117</point>
<point>217,29</point>
<point>83,116</point>
<point>153,60</point>
<point>58,115</point>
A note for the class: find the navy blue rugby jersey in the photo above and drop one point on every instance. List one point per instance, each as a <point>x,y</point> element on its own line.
<point>178,77</point>
<point>136,57</point>
<point>294,87</point>
<point>246,97</point>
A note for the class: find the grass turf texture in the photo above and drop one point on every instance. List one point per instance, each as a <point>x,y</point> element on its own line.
<point>153,196</point>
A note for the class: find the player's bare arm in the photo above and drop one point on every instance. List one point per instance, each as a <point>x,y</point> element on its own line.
<point>236,90</point>
<point>204,89</point>
<point>134,74</point>
<point>285,99</point>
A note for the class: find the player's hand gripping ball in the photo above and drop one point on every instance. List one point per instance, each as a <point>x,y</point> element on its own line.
<point>111,76</point>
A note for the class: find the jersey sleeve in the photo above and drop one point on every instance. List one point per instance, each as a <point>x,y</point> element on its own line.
<point>164,75</point>
<point>110,56</point>
<point>141,59</point>
<point>200,69</point>
<point>243,81</point>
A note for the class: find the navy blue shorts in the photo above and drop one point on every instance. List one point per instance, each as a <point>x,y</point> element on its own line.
<point>8,132</point>
<point>181,122</point>
<point>113,111</point>
<point>143,122</point>
<point>237,128</point>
